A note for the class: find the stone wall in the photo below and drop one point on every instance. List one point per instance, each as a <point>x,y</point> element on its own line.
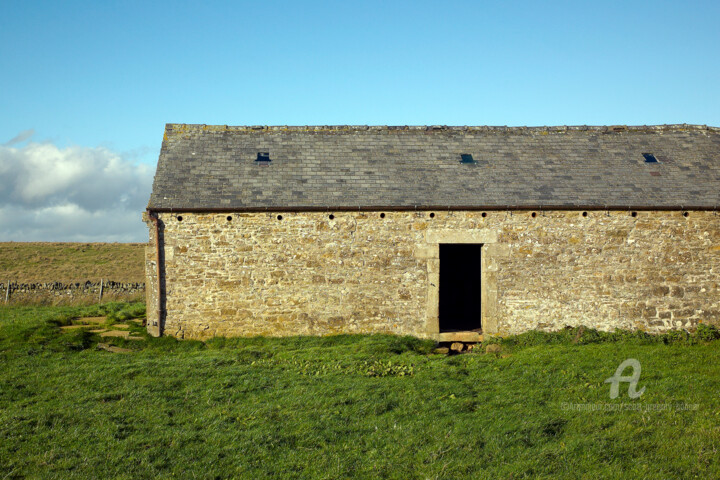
<point>309,274</point>
<point>58,293</point>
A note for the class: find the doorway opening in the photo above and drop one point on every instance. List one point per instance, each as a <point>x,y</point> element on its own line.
<point>460,287</point>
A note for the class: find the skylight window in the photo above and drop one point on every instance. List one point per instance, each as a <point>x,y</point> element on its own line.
<point>263,157</point>
<point>466,158</point>
<point>650,158</point>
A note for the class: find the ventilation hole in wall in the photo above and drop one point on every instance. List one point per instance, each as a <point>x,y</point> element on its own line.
<point>229,218</point>
<point>634,214</point>
<point>279,217</point>
<point>179,218</point>
<point>382,215</point>
<point>432,215</point>
<point>685,214</point>
<point>331,216</point>
<point>584,214</point>
<point>533,214</point>
<point>484,214</point>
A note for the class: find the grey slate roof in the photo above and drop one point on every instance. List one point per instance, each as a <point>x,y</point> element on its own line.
<point>214,167</point>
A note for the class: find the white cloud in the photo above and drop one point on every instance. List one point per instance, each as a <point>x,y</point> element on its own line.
<point>70,194</point>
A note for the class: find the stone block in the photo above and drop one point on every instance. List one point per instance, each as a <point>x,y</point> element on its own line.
<point>426,251</point>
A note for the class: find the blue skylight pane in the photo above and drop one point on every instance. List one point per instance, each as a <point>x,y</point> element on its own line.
<point>650,158</point>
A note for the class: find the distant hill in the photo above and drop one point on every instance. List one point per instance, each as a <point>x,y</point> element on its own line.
<point>40,262</point>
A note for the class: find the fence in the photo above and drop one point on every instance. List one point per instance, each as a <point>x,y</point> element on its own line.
<point>58,293</point>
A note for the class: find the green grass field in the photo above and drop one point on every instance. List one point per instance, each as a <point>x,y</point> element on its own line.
<point>350,406</point>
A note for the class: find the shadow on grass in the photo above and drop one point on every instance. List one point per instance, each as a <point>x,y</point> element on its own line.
<point>38,327</point>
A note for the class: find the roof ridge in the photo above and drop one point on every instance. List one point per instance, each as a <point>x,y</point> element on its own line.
<point>189,127</point>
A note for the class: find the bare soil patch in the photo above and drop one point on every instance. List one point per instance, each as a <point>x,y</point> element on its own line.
<point>90,320</point>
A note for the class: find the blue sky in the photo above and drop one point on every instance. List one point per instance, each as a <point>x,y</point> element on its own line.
<point>100,79</point>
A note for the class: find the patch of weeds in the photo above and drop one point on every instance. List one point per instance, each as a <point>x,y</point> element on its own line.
<point>707,333</point>
<point>622,335</point>
<point>677,336</point>
<point>381,368</point>
<point>308,367</point>
<point>587,336</point>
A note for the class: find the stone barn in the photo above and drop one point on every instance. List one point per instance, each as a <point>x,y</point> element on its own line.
<point>438,232</point>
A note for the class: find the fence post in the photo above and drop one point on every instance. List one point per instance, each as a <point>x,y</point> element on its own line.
<point>101,290</point>
<point>7,291</point>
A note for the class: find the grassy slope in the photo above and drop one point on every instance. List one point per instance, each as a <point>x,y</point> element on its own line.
<point>346,406</point>
<point>71,262</point>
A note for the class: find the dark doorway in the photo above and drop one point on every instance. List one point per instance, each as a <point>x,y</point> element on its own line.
<point>459,287</point>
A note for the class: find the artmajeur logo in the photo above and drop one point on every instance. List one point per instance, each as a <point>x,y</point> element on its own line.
<point>616,379</point>
<point>633,393</point>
